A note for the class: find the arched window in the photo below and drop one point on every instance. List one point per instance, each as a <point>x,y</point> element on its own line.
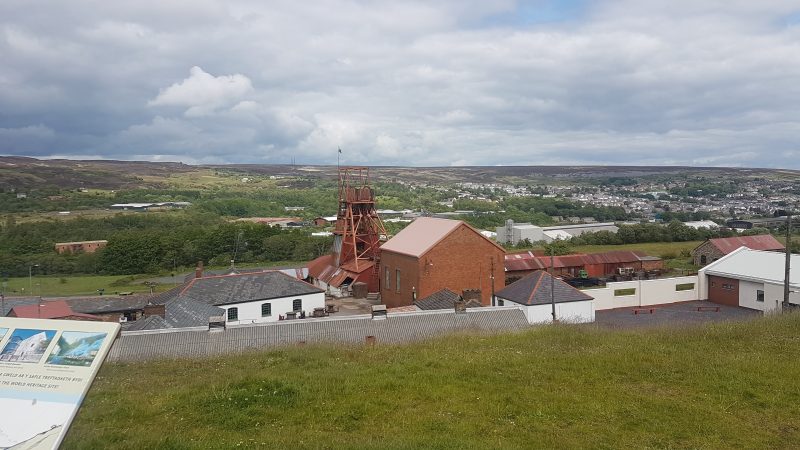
<point>233,314</point>
<point>297,305</point>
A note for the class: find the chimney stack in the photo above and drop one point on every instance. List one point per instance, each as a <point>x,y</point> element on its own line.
<point>155,310</point>
<point>198,271</point>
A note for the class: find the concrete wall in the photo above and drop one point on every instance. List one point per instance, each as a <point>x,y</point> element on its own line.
<point>647,292</point>
<point>250,312</point>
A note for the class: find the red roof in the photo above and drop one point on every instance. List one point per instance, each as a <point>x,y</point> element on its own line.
<point>56,309</point>
<point>530,261</point>
<point>760,242</point>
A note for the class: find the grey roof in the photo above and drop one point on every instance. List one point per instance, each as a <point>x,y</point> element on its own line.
<point>148,323</point>
<point>106,303</point>
<point>443,299</point>
<point>534,289</point>
<point>197,343</point>
<point>86,305</point>
<point>184,312</point>
<point>245,287</point>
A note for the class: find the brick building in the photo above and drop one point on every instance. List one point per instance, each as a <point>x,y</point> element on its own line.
<point>80,247</point>
<point>714,249</point>
<point>433,254</point>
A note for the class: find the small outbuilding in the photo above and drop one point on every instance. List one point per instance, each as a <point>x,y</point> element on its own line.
<point>536,293</point>
<point>714,249</point>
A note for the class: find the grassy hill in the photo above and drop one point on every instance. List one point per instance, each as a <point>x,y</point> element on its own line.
<point>721,386</point>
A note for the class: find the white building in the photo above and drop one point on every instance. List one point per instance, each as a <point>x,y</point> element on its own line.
<point>711,225</point>
<point>515,232</point>
<point>751,279</point>
<point>533,295</point>
<point>29,349</point>
<point>255,297</point>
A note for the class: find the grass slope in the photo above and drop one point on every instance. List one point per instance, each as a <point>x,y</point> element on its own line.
<point>722,386</point>
<point>68,285</point>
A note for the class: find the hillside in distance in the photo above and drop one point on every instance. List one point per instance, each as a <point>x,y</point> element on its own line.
<point>25,173</point>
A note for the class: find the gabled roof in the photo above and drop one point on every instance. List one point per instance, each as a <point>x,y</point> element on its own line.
<point>534,289</point>
<point>755,265</point>
<point>148,323</point>
<point>245,287</point>
<point>760,242</point>
<point>424,233</point>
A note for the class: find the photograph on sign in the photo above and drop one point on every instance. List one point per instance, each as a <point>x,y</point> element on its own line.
<point>76,348</point>
<point>27,346</point>
<point>46,368</point>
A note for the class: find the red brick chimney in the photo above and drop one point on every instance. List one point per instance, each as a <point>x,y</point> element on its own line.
<point>155,310</point>
<point>198,271</point>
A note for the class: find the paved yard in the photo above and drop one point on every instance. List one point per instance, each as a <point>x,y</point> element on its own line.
<point>671,314</point>
<point>349,306</point>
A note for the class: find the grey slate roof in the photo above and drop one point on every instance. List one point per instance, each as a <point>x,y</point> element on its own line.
<point>534,289</point>
<point>245,287</point>
<point>184,312</point>
<point>194,343</point>
<point>148,323</point>
<point>86,305</point>
<point>444,299</point>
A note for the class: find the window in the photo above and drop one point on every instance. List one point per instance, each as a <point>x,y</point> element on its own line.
<point>703,260</point>
<point>397,281</point>
<point>760,296</point>
<point>266,309</point>
<point>297,305</point>
<point>622,292</point>
<point>388,280</point>
<point>684,287</point>
<point>233,314</point>
<point>500,302</point>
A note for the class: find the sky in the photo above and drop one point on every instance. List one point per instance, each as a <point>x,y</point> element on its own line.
<point>446,83</point>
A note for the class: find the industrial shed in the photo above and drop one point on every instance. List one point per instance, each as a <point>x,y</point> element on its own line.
<point>750,279</point>
<point>518,265</point>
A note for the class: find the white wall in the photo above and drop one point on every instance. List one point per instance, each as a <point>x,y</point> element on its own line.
<point>250,312</point>
<point>569,312</point>
<point>773,296</point>
<point>648,292</point>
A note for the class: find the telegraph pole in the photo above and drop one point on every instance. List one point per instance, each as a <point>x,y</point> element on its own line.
<point>553,282</point>
<point>788,265</point>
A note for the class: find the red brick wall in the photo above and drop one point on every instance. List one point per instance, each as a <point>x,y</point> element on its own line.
<point>409,278</point>
<point>462,260</point>
<point>717,294</point>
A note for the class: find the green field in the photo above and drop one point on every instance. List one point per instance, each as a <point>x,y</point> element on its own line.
<point>651,248</point>
<point>728,385</point>
<point>55,286</point>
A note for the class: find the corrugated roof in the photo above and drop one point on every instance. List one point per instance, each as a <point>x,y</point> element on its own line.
<point>56,309</point>
<point>528,261</point>
<point>420,235</point>
<point>760,242</point>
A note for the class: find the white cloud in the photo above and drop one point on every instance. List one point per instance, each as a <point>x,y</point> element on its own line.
<point>204,93</point>
<point>414,83</point>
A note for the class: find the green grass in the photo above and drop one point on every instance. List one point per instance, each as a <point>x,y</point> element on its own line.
<point>729,385</point>
<point>56,286</point>
<point>651,248</point>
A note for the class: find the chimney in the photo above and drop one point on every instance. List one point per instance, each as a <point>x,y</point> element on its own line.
<point>198,271</point>
<point>155,310</point>
<point>471,294</point>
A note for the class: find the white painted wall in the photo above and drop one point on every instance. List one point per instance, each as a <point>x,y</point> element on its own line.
<point>648,292</point>
<point>569,312</point>
<point>773,296</point>
<point>250,312</point>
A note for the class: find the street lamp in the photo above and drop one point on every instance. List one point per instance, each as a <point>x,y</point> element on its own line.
<point>30,277</point>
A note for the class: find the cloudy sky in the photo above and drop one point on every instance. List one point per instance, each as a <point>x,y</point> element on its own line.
<point>712,82</point>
